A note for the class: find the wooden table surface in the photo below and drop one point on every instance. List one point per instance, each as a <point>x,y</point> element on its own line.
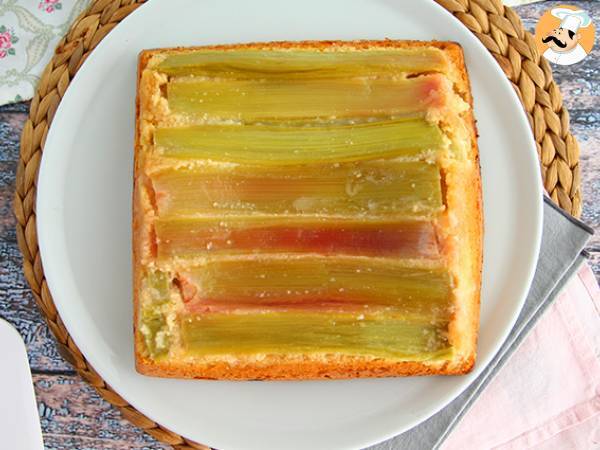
<point>72,415</point>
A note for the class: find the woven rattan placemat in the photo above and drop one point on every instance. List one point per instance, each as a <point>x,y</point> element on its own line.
<point>497,27</point>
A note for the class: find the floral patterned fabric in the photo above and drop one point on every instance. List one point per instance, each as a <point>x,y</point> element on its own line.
<point>29,32</point>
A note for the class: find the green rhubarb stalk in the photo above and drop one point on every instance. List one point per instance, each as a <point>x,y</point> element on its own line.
<point>274,63</point>
<point>285,99</point>
<point>404,285</point>
<point>155,293</point>
<point>391,189</point>
<point>305,332</point>
<point>289,145</point>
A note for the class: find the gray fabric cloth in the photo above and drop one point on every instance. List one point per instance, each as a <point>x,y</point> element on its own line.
<point>561,254</point>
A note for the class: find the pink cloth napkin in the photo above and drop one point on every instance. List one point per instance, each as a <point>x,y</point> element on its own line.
<point>548,394</point>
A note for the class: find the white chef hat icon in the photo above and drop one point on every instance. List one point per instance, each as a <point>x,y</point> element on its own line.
<point>572,20</point>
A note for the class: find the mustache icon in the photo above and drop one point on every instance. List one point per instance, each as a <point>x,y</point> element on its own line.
<point>554,39</point>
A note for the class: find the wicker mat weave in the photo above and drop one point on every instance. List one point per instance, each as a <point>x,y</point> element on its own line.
<point>497,27</point>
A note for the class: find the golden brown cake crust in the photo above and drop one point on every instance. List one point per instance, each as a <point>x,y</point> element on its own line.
<point>471,218</point>
<point>453,48</point>
<point>277,367</point>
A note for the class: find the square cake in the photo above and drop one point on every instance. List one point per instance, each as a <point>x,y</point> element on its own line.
<point>306,210</point>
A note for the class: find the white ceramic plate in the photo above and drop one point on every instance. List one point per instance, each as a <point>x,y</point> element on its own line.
<point>84,213</point>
